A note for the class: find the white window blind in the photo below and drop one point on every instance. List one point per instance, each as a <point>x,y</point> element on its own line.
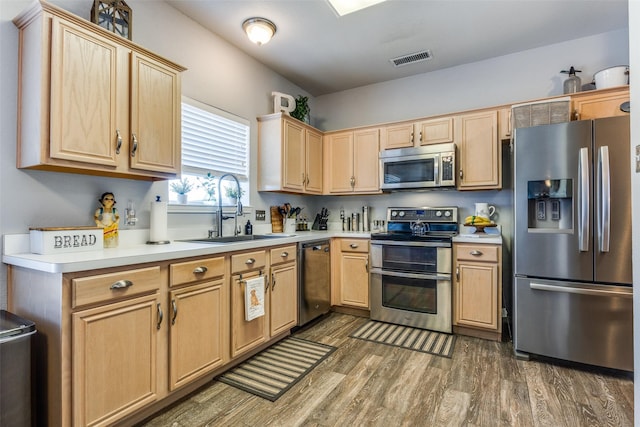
<point>213,141</point>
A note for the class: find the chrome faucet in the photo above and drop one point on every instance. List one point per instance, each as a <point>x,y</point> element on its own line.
<point>219,216</point>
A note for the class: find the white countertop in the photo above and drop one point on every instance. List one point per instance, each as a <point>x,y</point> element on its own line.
<point>135,251</point>
<point>491,236</point>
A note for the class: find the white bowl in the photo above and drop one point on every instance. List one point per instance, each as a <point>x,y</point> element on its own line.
<point>613,76</point>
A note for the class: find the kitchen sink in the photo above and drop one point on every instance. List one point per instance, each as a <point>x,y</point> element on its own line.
<point>241,238</point>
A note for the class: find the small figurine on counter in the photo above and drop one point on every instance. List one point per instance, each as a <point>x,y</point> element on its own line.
<point>107,217</point>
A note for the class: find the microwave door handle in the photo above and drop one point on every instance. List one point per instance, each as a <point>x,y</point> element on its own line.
<point>436,170</point>
<point>583,200</point>
<point>604,199</point>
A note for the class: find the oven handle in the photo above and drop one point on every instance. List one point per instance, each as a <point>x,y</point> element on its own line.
<point>405,243</point>
<point>381,272</point>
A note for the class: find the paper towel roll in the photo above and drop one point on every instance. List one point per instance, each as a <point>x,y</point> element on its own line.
<point>158,228</point>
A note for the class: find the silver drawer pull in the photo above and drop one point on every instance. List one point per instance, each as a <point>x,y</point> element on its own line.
<point>174,306</point>
<point>250,261</point>
<point>121,284</point>
<point>284,254</point>
<point>475,253</point>
<point>353,246</point>
<point>160,315</point>
<point>200,270</point>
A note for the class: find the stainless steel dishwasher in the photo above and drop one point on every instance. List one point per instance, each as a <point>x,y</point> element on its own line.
<point>314,280</point>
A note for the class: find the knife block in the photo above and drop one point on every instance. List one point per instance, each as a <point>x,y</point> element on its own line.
<point>276,220</point>
<point>318,224</point>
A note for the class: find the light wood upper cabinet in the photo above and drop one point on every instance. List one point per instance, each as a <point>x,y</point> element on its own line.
<point>505,125</point>
<point>352,162</point>
<point>477,291</point>
<point>415,134</point>
<point>92,102</point>
<point>589,106</point>
<point>479,151</point>
<point>290,155</point>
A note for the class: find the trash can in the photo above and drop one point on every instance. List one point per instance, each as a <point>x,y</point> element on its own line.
<point>15,369</point>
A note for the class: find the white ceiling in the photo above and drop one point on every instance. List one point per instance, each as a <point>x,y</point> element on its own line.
<point>323,53</point>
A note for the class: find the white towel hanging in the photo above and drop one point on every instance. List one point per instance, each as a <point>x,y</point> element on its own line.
<point>253,298</point>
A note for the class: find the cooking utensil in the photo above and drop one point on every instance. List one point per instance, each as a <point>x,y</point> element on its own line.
<point>612,76</point>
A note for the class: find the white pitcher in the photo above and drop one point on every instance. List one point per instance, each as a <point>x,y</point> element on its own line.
<point>485,210</point>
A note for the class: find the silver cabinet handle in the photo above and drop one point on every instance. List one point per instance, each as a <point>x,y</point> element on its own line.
<point>353,245</point>
<point>461,174</point>
<point>134,147</point>
<point>475,252</point>
<point>160,315</point>
<point>457,274</point>
<point>250,261</point>
<point>200,270</point>
<point>174,307</point>
<point>583,200</point>
<point>366,266</point>
<point>118,141</point>
<point>284,254</point>
<point>121,284</point>
<point>412,137</point>
<point>273,281</point>
<point>604,196</point>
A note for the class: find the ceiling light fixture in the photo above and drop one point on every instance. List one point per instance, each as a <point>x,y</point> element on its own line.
<point>259,30</point>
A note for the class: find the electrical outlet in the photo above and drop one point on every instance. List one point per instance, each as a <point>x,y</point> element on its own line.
<point>504,313</point>
<point>260,215</point>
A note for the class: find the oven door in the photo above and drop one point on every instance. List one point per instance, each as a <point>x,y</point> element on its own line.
<point>411,299</point>
<point>414,257</point>
<point>414,171</point>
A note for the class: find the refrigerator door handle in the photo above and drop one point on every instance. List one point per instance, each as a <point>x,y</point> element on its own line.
<point>582,291</point>
<point>583,200</point>
<point>604,199</point>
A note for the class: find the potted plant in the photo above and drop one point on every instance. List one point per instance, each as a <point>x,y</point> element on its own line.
<point>301,112</point>
<point>181,188</point>
<point>208,183</point>
<point>232,193</point>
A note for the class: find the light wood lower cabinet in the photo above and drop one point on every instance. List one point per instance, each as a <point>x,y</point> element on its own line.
<point>477,290</point>
<point>283,299</point>
<point>350,272</point>
<point>115,345</point>
<point>199,313</point>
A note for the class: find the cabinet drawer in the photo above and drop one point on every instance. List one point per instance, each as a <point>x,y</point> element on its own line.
<point>248,261</point>
<point>193,271</point>
<point>354,245</point>
<point>111,286</point>
<point>489,253</point>
<point>283,254</point>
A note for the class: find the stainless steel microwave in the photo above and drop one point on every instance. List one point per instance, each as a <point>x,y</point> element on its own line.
<point>428,166</point>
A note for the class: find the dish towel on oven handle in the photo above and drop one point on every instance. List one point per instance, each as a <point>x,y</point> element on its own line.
<point>253,298</point>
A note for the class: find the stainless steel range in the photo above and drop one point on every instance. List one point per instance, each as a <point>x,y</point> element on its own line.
<point>410,276</point>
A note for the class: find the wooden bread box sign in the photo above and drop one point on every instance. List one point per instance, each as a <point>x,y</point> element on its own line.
<point>57,240</point>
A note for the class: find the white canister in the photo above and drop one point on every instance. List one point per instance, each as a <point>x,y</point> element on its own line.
<point>611,77</point>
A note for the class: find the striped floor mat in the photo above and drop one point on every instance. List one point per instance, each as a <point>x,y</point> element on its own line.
<point>276,369</point>
<point>407,337</point>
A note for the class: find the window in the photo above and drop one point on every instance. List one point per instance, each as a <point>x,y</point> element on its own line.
<point>214,143</point>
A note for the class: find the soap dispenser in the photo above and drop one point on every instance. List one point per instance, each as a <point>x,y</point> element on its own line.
<point>248,228</point>
<point>573,83</point>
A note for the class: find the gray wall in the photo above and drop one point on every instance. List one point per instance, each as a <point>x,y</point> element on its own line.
<point>226,78</point>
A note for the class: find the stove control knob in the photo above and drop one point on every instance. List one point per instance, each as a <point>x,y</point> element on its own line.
<point>447,214</point>
<point>401,214</point>
<point>394,213</point>
<point>438,213</point>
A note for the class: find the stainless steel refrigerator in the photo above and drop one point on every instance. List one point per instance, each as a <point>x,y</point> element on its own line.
<point>572,242</point>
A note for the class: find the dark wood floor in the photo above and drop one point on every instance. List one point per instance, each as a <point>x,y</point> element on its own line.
<point>370,384</point>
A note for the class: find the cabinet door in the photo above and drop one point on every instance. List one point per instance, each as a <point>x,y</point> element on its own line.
<point>599,106</point>
<point>84,96</point>
<point>284,298</point>
<point>314,164</point>
<point>479,151</point>
<point>340,162</point>
<point>366,148</point>
<point>476,296</point>
<point>354,279</point>
<point>397,136</point>
<point>435,131</point>
<point>245,335</point>
<point>504,124</point>
<point>155,116</point>
<point>114,360</point>
<point>198,340</point>
<point>293,171</point>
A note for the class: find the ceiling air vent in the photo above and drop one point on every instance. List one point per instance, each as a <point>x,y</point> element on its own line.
<point>412,58</point>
